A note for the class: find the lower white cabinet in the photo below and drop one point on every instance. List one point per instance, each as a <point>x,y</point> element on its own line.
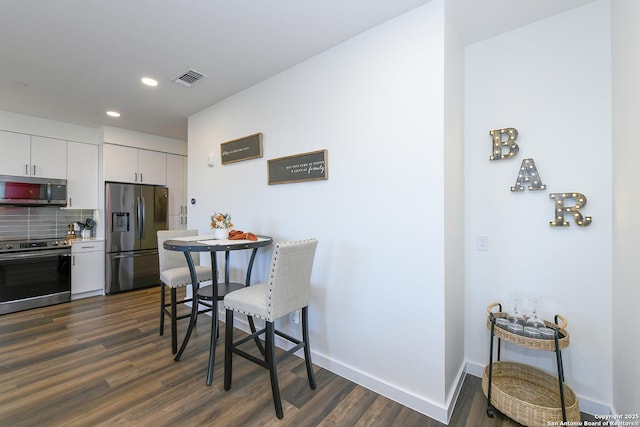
<point>87,268</point>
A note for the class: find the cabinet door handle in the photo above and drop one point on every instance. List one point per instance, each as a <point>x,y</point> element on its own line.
<point>34,170</point>
<point>26,169</point>
<point>141,177</point>
<point>73,260</point>
<point>135,174</point>
<point>70,202</point>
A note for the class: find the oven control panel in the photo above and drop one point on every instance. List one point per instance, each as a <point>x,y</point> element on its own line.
<point>29,245</point>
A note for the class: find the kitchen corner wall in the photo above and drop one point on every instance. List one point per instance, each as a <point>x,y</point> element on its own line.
<point>551,81</point>
<point>375,102</point>
<point>626,204</point>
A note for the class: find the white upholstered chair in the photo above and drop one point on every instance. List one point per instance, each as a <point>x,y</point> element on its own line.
<point>174,273</point>
<point>287,290</point>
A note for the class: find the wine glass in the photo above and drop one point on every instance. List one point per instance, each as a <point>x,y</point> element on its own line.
<point>534,320</point>
<point>515,313</point>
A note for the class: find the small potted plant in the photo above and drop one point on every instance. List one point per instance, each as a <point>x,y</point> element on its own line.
<point>221,224</point>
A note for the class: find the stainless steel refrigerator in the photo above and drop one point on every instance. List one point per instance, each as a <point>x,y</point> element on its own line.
<point>133,215</point>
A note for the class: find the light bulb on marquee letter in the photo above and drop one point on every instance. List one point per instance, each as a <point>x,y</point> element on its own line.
<point>561,209</point>
<point>504,138</point>
<point>528,173</point>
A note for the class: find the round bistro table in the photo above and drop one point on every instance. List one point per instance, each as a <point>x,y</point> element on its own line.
<point>216,291</point>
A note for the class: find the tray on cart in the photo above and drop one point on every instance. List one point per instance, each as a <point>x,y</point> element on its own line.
<point>529,395</point>
<point>524,341</point>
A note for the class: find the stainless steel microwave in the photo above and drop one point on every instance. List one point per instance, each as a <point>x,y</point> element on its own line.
<point>32,191</point>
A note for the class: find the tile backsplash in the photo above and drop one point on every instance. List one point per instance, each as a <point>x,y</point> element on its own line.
<point>17,223</point>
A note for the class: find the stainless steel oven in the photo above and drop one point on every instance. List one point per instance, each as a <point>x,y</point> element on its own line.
<point>34,273</point>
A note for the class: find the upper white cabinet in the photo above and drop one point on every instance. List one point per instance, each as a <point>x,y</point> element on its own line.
<point>177,183</point>
<point>26,155</point>
<point>82,175</point>
<point>120,163</point>
<point>48,157</point>
<point>128,164</point>
<point>152,166</point>
<point>15,148</point>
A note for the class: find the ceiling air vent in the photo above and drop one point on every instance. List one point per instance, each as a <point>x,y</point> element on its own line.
<point>189,78</point>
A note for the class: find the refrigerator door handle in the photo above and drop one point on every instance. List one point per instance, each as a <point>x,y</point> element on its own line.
<point>138,217</point>
<point>125,255</point>
<point>142,214</point>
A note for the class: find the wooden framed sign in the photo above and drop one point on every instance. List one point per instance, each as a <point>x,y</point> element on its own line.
<point>249,147</point>
<point>299,167</point>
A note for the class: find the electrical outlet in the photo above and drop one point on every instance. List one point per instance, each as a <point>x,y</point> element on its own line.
<point>295,317</point>
<point>482,243</point>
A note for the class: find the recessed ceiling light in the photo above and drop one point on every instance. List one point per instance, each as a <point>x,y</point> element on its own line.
<point>149,81</point>
<point>113,114</point>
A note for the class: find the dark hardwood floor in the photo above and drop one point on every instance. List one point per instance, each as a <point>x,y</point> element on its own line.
<point>100,362</point>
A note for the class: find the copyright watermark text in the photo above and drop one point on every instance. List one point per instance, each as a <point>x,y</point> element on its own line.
<point>603,420</point>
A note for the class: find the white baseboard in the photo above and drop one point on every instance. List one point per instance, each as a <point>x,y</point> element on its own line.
<point>586,405</point>
<point>383,388</point>
<point>87,294</point>
<point>377,385</point>
<point>406,398</point>
<point>455,392</point>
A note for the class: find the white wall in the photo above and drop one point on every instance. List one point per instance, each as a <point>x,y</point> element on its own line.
<point>147,141</point>
<point>376,103</point>
<point>454,206</point>
<point>552,81</point>
<point>626,204</point>
<point>50,128</point>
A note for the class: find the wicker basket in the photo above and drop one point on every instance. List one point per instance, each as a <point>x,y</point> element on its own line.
<point>523,341</point>
<point>528,395</point>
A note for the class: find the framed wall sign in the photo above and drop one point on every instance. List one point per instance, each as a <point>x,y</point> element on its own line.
<point>299,167</point>
<point>249,147</point>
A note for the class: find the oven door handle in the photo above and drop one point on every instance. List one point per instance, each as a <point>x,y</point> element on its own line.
<point>33,254</point>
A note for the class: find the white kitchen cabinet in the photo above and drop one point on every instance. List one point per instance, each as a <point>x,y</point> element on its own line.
<point>177,184</point>
<point>48,157</point>
<point>120,163</point>
<point>26,155</point>
<point>16,149</point>
<point>87,268</point>
<point>152,167</point>
<point>82,175</point>
<point>136,165</point>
